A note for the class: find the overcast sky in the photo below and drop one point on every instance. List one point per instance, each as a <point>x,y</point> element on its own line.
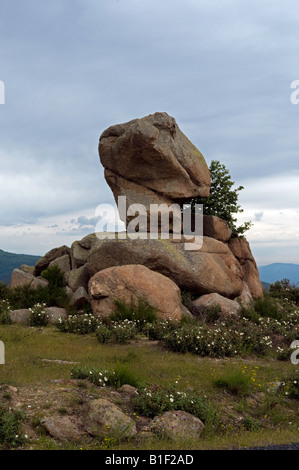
<point>72,68</point>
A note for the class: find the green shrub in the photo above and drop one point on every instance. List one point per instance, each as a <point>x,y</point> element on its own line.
<point>11,435</point>
<point>54,276</point>
<point>212,314</point>
<point>141,312</point>
<point>103,334</point>
<point>124,375</point>
<point>4,291</point>
<point>5,310</point>
<point>187,297</point>
<point>24,297</point>
<point>251,424</point>
<point>267,307</point>
<point>285,290</point>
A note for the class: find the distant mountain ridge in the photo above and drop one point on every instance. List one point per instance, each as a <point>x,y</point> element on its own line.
<point>10,261</point>
<point>278,271</point>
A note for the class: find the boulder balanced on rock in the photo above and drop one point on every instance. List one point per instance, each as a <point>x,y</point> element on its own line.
<point>150,161</point>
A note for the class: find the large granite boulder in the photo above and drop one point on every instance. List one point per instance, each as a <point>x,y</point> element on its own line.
<point>129,283</point>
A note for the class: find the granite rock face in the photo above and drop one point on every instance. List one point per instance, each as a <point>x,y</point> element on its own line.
<point>150,161</point>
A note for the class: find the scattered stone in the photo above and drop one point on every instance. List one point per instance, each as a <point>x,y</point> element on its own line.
<point>63,428</point>
<point>103,417</point>
<point>228,307</point>
<point>58,361</point>
<point>177,425</point>
<point>128,390</point>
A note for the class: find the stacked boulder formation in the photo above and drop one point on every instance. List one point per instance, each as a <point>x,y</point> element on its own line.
<point>150,161</point>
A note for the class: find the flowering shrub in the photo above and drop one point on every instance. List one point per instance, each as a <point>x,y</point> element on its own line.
<point>157,400</point>
<point>117,332</point>
<point>38,316</point>
<point>225,338</point>
<point>98,377</point>
<point>80,324</point>
<point>10,428</point>
<point>117,377</point>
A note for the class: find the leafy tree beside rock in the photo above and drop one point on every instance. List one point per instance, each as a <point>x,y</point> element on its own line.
<point>223,199</point>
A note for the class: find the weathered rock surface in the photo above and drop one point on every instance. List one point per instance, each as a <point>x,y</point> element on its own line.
<point>63,263</point>
<point>103,417</point>
<point>63,428</point>
<point>177,425</point>
<point>150,160</point>
<point>212,269</point>
<point>228,306</point>
<point>55,313</point>
<point>217,228</point>
<point>20,316</point>
<point>27,269</point>
<point>52,255</point>
<point>21,278</point>
<point>131,282</point>
<point>80,298</point>
<point>241,250</point>
<point>79,277</point>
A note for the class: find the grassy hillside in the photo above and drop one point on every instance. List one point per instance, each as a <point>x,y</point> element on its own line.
<point>10,261</point>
